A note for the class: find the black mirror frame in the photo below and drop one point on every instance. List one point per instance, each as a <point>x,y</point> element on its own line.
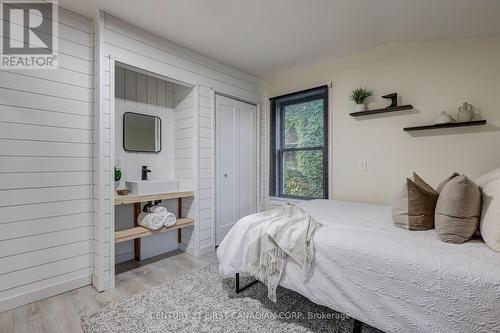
<point>141,151</point>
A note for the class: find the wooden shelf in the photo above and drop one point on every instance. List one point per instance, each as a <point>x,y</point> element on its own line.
<point>130,199</point>
<point>139,232</point>
<point>378,111</point>
<point>451,125</point>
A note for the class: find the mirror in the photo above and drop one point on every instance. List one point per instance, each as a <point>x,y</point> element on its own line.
<point>141,133</point>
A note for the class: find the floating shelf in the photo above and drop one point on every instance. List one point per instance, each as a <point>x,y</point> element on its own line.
<point>378,111</point>
<point>130,199</point>
<point>139,232</point>
<point>451,125</point>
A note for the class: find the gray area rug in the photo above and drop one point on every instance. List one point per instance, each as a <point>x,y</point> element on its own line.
<point>204,302</point>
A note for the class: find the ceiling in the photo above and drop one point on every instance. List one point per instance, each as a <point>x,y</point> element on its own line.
<point>266,36</point>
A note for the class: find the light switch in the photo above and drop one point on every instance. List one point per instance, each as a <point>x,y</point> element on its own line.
<point>363,165</point>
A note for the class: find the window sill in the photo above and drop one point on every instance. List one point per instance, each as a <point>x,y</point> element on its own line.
<point>277,201</point>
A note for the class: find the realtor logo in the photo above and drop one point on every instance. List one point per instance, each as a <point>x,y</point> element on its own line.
<point>29,34</point>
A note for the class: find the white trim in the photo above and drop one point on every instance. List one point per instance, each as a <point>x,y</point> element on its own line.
<point>144,67</point>
<point>243,100</point>
<point>186,249</point>
<point>257,158</point>
<point>160,77</point>
<point>39,294</point>
<point>206,250</point>
<point>98,270</point>
<point>196,229</point>
<point>214,165</point>
<point>277,201</point>
<point>112,246</point>
<point>122,257</point>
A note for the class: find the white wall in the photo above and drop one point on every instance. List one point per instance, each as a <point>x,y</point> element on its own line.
<point>184,137</point>
<point>123,42</point>
<point>206,163</point>
<point>185,146</point>
<point>140,93</point>
<point>103,237</point>
<point>432,76</point>
<point>46,172</point>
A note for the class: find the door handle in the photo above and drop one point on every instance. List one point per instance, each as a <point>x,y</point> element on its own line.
<point>225,175</point>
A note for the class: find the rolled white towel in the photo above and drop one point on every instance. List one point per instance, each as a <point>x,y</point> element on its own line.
<point>169,219</point>
<point>152,221</point>
<point>158,209</point>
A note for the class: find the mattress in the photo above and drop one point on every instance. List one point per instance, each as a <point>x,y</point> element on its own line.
<point>390,278</point>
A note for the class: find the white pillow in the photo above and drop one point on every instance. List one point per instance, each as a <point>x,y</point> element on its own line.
<point>490,215</point>
<point>487,177</point>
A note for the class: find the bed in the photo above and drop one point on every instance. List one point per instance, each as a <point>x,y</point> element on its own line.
<point>392,279</point>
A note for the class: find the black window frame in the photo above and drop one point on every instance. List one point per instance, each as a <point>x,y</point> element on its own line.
<point>278,149</point>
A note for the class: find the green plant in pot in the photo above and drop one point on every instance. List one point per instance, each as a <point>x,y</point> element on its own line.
<point>360,96</point>
<point>118,177</point>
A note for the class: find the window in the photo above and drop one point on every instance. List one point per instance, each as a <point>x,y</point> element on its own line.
<point>299,145</point>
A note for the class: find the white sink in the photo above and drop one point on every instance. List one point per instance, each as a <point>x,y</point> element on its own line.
<point>143,187</point>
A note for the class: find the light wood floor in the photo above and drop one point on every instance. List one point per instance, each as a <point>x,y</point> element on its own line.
<point>62,313</point>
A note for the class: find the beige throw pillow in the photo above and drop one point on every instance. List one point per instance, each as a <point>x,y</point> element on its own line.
<point>458,209</point>
<point>413,206</point>
<point>490,215</point>
<point>444,182</point>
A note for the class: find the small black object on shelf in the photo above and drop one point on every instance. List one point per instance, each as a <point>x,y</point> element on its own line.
<point>394,99</point>
<point>450,125</point>
<point>384,110</point>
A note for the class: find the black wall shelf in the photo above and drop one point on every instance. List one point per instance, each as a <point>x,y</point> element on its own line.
<point>451,125</point>
<point>378,111</point>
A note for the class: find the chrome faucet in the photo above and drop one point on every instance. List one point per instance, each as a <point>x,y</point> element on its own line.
<point>145,171</point>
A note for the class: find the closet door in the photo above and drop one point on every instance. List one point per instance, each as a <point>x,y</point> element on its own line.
<point>236,163</point>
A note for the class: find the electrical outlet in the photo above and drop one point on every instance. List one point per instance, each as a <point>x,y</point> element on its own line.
<point>363,165</point>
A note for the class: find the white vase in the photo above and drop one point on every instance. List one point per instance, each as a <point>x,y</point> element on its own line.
<point>465,112</point>
<point>360,107</point>
<point>117,184</point>
<point>444,118</point>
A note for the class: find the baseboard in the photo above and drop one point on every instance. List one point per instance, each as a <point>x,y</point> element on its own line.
<point>39,294</point>
<point>122,257</point>
<point>206,250</point>
<point>184,248</point>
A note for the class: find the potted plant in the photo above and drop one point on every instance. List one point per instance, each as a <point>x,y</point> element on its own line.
<point>118,176</point>
<point>360,96</point>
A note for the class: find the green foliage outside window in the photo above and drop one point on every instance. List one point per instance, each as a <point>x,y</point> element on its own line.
<point>303,169</point>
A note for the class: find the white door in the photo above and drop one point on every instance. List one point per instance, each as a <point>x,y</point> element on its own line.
<point>236,162</point>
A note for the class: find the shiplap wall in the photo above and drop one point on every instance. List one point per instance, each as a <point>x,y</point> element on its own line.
<point>103,239</point>
<point>185,143</point>
<point>206,157</point>
<point>184,137</point>
<point>128,44</point>
<point>46,172</point>
<point>140,93</point>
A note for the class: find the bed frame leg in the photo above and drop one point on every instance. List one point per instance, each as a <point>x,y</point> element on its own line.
<point>357,326</point>
<point>240,289</point>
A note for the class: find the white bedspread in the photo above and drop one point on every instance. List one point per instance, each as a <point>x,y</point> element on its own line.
<point>393,279</point>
